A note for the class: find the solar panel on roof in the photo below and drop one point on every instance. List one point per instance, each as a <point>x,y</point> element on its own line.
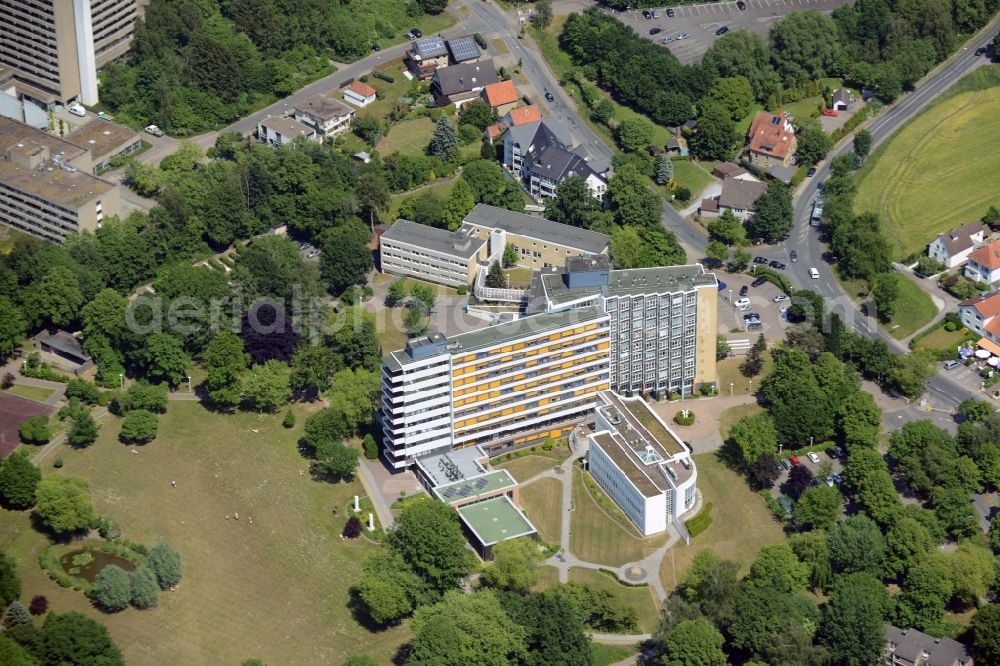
<point>463,49</point>
<point>775,120</point>
<point>481,483</point>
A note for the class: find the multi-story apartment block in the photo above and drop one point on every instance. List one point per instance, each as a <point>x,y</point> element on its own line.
<point>641,463</point>
<point>539,155</point>
<point>454,257</point>
<point>53,48</point>
<point>279,131</point>
<point>663,320</point>
<point>498,387</point>
<point>46,188</point>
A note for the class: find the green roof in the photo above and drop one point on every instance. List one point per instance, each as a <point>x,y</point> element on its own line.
<point>479,485</point>
<point>495,520</point>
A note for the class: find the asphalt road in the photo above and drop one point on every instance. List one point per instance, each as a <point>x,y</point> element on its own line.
<point>943,391</point>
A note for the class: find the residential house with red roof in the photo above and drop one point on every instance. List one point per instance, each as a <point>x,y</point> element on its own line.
<point>772,140</point>
<point>984,263</point>
<point>502,96</point>
<point>359,94</point>
<point>979,315</point>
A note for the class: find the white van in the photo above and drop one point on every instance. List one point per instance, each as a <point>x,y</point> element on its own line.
<point>813,273</point>
<point>77,110</point>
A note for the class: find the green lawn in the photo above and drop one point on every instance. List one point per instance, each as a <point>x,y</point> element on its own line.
<point>938,171</point>
<point>640,598</point>
<point>729,417</point>
<point>729,373</point>
<point>605,655</point>
<point>914,310</point>
<point>409,137</point>
<point>743,126</point>
<point>518,278</point>
<point>276,589</point>
<point>692,175</point>
<point>600,532</point>
<point>390,92</point>
<point>547,577</point>
<point>942,339</point>
<point>528,466</point>
<point>741,523</point>
<point>31,392</point>
<point>542,503</point>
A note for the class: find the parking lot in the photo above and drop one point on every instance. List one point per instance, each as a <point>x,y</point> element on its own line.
<point>825,460</point>
<point>761,300</point>
<point>700,22</point>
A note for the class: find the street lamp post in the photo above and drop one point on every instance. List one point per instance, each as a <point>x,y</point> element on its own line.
<point>190,390</point>
<point>121,379</point>
<point>731,389</point>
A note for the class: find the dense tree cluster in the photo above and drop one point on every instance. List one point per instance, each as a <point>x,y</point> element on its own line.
<point>879,45</point>
<point>197,65</point>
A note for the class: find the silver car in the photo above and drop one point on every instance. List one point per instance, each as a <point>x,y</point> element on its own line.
<point>683,35</point>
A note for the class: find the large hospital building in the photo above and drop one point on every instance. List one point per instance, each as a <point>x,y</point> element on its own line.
<point>587,329</point>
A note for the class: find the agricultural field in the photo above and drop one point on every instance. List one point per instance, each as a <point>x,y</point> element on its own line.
<point>939,171</point>
<point>274,589</point>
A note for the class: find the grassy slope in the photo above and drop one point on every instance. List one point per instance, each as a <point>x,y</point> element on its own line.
<point>276,590</point>
<point>914,310</point>
<point>639,598</point>
<point>741,523</point>
<point>939,171</point>
<point>409,137</point>
<point>542,502</point>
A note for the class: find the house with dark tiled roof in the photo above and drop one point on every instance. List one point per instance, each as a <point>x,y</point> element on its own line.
<point>909,647</point>
<point>460,83</point>
<point>772,140</point>
<point>841,100</point>
<point>737,195</point>
<point>953,247</point>
<point>540,155</point>
<point>984,263</point>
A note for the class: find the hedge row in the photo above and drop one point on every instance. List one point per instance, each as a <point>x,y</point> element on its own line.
<point>700,523</point>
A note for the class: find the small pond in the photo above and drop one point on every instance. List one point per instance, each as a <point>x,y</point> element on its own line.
<point>90,570</point>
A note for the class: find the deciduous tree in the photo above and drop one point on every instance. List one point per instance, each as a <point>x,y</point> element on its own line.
<point>165,563</point>
<point>112,589</point>
<point>695,643</point>
<point>64,503</point>
<point>428,537</point>
<point>466,629</point>
<point>18,480</point>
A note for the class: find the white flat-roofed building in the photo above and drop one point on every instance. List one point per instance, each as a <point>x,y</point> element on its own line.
<point>278,131</point>
<point>429,253</point>
<point>641,464</point>
<point>500,387</point>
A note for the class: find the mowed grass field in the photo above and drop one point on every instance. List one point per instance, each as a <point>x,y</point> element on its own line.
<point>940,170</point>
<point>741,522</point>
<point>276,590</point>
<point>542,502</point>
<point>409,137</point>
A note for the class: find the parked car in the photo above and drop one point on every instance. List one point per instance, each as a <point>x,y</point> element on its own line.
<point>835,452</point>
<point>549,96</point>
<point>154,130</point>
<point>722,285</point>
<point>416,32</point>
<point>779,298</point>
<point>758,282</point>
<point>721,31</point>
<point>951,364</point>
<point>410,36</point>
<point>759,260</point>
<point>794,256</point>
<point>838,478</point>
<point>754,326</point>
<point>777,265</point>
<point>829,481</point>
<point>646,15</point>
<point>77,110</point>
<point>744,290</point>
<point>316,252</point>
<point>670,12</point>
<point>303,247</point>
<point>742,303</point>
<point>813,457</point>
<point>683,35</point>
<point>813,273</point>
<point>376,47</point>
<point>655,31</point>
<point>811,172</point>
<point>830,112</point>
<point>667,40</point>
<point>794,460</point>
<point>656,14</point>
<point>751,317</point>
<point>741,5</point>
<point>785,464</point>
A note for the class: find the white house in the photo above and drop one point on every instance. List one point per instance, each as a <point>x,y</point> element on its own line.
<point>979,315</point>
<point>952,248</point>
<point>359,94</point>
<point>641,464</point>
<point>984,263</point>
<point>327,116</point>
<point>278,131</point>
